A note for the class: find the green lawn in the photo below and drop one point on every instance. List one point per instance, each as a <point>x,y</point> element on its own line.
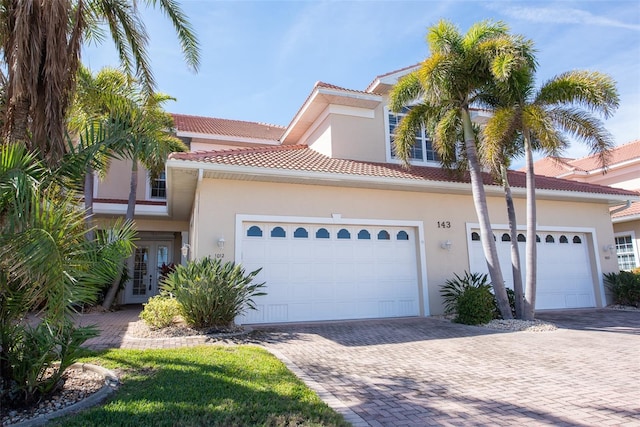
<point>204,386</point>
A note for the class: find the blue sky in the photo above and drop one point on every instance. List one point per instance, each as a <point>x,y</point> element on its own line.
<point>260,59</point>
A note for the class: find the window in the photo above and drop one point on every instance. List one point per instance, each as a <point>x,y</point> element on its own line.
<point>278,232</point>
<point>322,233</point>
<point>506,237</point>
<point>626,252</point>
<point>576,239</point>
<point>549,239</point>
<point>475,237</point>
<point>521,238</point>
<point>402,235</point>
<point>383,235</point>
<point>254,231</point>
<point>364,235</point>
<point>300,233</point>
<point>344,234</point>
<point>537,239</point>
<point>422,150</point>
<point>563,239</point>
<point>159,186</point>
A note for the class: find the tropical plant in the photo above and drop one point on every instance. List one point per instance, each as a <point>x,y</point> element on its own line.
<point>540,119</point>
<point>453,288</point>
<point>462,71</point>
<point>212,293</point>
<point>475,306</point>
<point>625,287</point>
<point>41,44</point>
<point>160,311</point>
<point>46,264</point>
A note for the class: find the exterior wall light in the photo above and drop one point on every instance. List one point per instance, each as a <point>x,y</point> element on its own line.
<point>446,245</point>
<point>609,248</point>
<point>185,249</point>
<point>220,242</point>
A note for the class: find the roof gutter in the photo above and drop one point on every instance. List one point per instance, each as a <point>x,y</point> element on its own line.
<point>625,206</point>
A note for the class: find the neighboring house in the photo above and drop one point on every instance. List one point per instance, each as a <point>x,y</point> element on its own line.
<point>623,171</point>
<point>342,229</point>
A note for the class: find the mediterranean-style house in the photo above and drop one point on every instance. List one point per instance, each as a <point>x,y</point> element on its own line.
<point>340,228</point>
<point>622,171</point>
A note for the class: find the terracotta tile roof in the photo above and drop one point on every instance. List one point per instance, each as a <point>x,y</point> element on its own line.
<point>556,166</point>
<point>343,89</point>
<point>633,210</point>
<point>381,76</point>
<point>302,158</point>
<point>235,128</point>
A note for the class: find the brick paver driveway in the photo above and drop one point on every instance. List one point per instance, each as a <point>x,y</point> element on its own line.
<point>431,372</point>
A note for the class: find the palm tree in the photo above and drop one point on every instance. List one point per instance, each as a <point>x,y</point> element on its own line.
<point>148,139</point>
<point>564,105</point>
<point>41,43</point>
<point>462,71</point>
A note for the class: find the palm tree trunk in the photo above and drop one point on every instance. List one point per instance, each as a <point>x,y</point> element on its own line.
<point>516,268</point>
<point>532,256</point>
<point>131,210</point>
<point>88,204</point>
<point>482,211</point>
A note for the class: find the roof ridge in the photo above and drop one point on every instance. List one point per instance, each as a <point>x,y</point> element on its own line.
<point>228,120</point>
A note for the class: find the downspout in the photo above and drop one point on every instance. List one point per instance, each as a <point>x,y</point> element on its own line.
<point>626,206</point>
<point>197,213</point>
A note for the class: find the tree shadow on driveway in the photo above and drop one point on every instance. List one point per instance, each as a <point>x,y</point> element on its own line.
<point>603,320</point>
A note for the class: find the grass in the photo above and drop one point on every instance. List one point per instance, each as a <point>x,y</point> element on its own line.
<point>204,386</point>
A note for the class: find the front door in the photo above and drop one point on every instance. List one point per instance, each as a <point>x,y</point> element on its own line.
<point>148,258</point>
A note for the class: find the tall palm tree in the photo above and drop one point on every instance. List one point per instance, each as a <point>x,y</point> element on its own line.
<point>41,43</point>
<point>462,71</point>
<point>148,138</point>
<point>563,106</point>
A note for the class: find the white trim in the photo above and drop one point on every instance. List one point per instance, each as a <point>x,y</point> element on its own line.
<point>627,218</point>
<point>147,194</point>
<point>552,228</point>
<point>222,137</point>
<point>387,143</point>
<point>339,178</point>
<point>634,243</point>
<point>121,209</point>
<point>338,220</point>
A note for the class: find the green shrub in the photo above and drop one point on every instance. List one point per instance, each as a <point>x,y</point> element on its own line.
<point>211,293</point>
<point>453,288</point>
<point>160,311</point>
<point>625,287</point>
<point>475,305</point>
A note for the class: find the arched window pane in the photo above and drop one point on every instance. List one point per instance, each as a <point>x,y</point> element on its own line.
<point>402,235</point>
<point>322,234</point>
<point>383,235</point>
<point>506,237</point>
<point>254,231</point>
<point>577,239</point>
<point>364,235</point>
<point>475,237</point>
<point>300,233</point>
<point>278,232</point>
<point>537,239</point>
<point>563,239</point>
<point>521,238</point>
<point>549,239</point>
<point>344,234</point>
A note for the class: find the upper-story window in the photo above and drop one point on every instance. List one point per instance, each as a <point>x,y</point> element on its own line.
<point>422,150</point>
<point>159,187</point>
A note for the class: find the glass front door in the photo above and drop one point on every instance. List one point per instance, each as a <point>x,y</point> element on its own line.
<point>146,271</point>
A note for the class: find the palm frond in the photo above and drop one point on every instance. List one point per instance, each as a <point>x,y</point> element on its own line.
<point>407,90</point>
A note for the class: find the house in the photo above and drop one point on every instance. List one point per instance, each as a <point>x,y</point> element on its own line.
<point>340,228</point>
<point>622,171</point>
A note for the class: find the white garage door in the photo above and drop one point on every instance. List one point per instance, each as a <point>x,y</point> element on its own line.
<point>564,270</point>
<point>329,272</point>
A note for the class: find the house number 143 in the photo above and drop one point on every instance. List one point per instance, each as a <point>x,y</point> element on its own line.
<point>444,224</point>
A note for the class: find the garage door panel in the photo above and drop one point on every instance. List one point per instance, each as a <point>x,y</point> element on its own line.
<point>330,278</point>
<point>564,270</point>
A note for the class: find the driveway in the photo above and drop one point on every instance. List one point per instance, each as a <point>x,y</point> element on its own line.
<point>424,371</point>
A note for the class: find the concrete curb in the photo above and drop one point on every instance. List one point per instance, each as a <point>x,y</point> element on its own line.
<point>111,383</point>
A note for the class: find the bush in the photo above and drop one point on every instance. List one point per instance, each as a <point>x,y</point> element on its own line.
<point>160,311</point>
<point>475,305</point>
<point>625,287</point>
<point>212,294</point>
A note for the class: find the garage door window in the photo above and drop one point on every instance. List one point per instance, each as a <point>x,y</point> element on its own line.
<point>383,235</point>
<point>402,235</point>
<point>300,233</point>
<point>521,238</point>
<point>254,231</point>
<point>322,234</point>
<point>549,239</point>
<point>278,232</point>
<point>364,235</point>
<point>577,240</point>
<point>344,234</point>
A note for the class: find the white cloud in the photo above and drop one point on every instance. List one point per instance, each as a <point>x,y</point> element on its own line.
<point>560,15</point>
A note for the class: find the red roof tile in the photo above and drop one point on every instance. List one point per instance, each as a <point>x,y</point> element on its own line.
<point>381,76</point>
<point>552,166</point>
<point>235,128</point>
<point>302,158</point>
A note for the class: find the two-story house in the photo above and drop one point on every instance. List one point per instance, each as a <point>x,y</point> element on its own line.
<point>340,228</point>
<point>622,171</point>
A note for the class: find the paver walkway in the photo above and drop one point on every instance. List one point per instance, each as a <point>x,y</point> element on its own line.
<point>424,371</point>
